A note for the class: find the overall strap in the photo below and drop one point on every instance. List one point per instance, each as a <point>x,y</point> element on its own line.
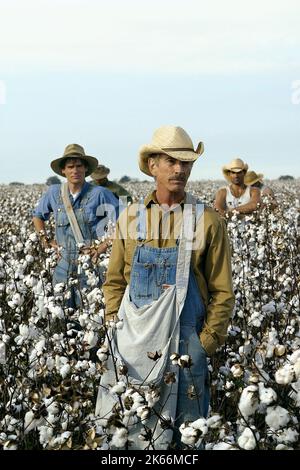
<point>193,210</point>
<point>199,206</point>
<point>70,213</point>
<point>141,225</point>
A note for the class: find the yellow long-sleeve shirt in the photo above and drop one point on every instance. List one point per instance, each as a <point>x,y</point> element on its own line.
<point>211,262</point>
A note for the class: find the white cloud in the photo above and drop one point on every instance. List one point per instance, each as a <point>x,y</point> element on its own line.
<point>178,36</point>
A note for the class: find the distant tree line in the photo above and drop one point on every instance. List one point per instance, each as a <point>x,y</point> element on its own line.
<point>286,178</point>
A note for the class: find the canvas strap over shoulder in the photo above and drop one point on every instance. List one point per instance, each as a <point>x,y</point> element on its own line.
<point>70,213</point>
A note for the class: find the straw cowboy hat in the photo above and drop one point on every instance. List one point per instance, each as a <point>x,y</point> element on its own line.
<point>251,178</point>
<point>100,172</point>
<point>74,151</point>
<point>172,141</point>
<point>236,166</point>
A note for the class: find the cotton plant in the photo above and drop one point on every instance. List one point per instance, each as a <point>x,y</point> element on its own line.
<point>52,356</point>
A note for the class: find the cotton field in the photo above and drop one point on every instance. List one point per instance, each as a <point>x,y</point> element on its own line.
<point>52,357</point>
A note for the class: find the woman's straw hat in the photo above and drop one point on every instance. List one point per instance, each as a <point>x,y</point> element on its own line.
<point>172,141</point>
<point>74,151</point>
<point>236,165</point>
<point>251,178</point>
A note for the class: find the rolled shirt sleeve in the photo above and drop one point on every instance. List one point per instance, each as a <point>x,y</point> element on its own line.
<point>44,206</point>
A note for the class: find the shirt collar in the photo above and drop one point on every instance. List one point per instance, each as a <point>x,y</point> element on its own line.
<point>152,199</point>
<point>82,191</point>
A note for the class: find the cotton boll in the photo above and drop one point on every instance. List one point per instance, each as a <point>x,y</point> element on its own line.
<point>120,437</point>
<point>143,412</point>
<point>248,401</point>
<point>40,347</point>
<point>283,447</point>
<point>65,370</point>
<point>224,446</point>
<point>185,361</point>
<point>253,378</point>
<point>129,418</point>
<point>266,395</point>
<point>277,417</point>
<point>237,370</point>
<point>46,433</point>
<point>53,407</point>
<point>33,237</point>
<point>285,374</point>
<point>90,338</point>
<point>102,356</point>
<point>152,397</point>
<point>29,259</point>
<point>247,439</point>
<point>56,311</point>
<point>286,436</point>
<point>189,435</point>
<point>214,422</point>
<point>201,425</point>
<point>59,288</point>
<point>30,422</point>
<point>118,389</point>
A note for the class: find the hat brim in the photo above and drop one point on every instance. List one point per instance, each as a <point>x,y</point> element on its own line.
<point>92,163</point>
<point>226,170</point>
<point>184,155</point>
<point>99,176</point>
<point>259,178</point>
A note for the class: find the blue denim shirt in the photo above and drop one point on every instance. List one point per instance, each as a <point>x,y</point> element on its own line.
<point>100,206</point>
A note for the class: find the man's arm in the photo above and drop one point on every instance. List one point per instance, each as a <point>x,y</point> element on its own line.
<point>251,206</point>
<point>39,226</point>
<point>40,215</point>
<point>217,271</point>
<point>269,198</point>
<point>220,201</point>
<point>115,284</point>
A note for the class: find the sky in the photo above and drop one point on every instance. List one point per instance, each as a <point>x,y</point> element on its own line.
<point>106,73</point>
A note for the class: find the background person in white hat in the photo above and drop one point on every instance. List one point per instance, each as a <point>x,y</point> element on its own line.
<point>148,266</point>
<point>236,196</point>
<point>87,202</point>
<point>99,177</point>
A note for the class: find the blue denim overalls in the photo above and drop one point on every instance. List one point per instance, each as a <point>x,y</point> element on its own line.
<point>151,268</point>
<point>67,265</point>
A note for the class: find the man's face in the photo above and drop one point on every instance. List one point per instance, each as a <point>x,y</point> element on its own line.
<point>74,171</point>
<point>101,181</point>
<point>237,178</point>
<point>170,174</point>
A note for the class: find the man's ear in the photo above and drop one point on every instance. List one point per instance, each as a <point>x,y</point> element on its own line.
<point>63,172</point>
<point>152,165</point>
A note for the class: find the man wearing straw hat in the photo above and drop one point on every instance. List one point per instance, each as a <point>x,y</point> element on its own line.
<point>255,180</point>
<point>236,196</point>
<point>99,176</point>
<point>169,281</point>
<point>80,212</point>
